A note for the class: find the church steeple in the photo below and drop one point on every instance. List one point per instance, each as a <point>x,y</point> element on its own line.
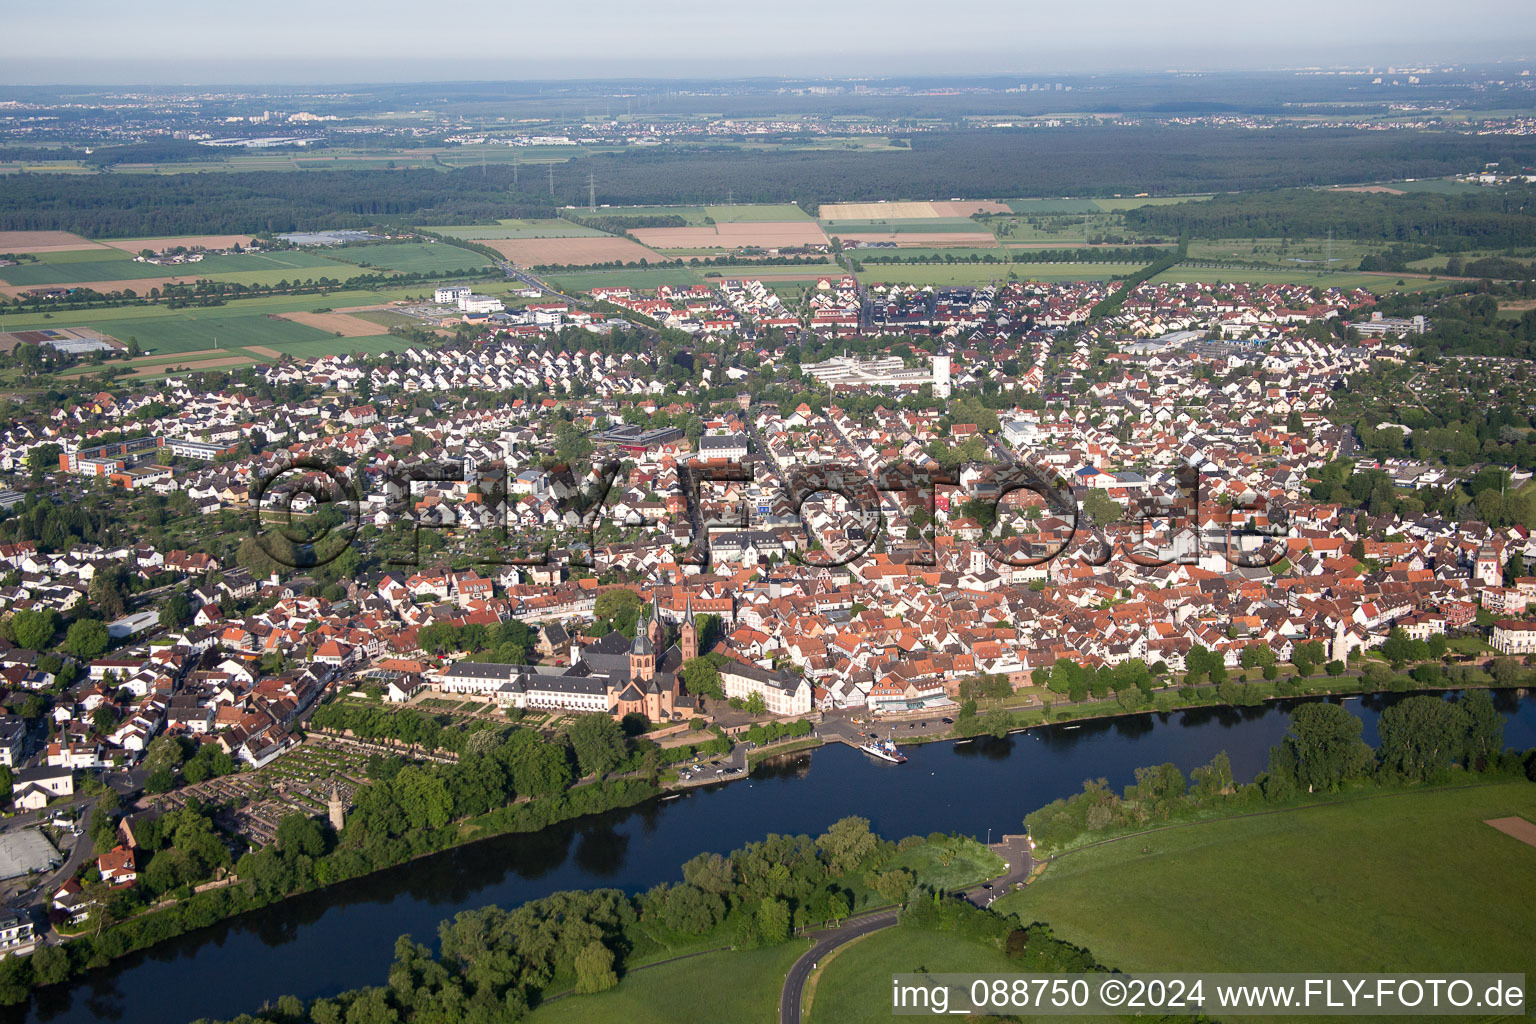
<point>688,641</point>
<point>654,630</point>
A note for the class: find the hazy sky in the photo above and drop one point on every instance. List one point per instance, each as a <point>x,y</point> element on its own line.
<point>173,41</point>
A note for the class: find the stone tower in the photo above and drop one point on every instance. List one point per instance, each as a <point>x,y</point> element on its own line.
<point>689,640</point>
<point>334,809</point>
<point>642,655</point>
<point>1340,642</point>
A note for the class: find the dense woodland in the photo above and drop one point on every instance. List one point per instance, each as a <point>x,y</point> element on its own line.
<point>1495,218</point>
<point>1095,161</point>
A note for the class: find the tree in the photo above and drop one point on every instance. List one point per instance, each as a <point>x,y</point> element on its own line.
<point>86,639</point>
<point>108,591</point>
<point>1322,750</point>
<point>50,965</point>
<point>894,885</point>
<point>702,678</point>
<point>1485,729</point>
<point>1505,672</point>
<point>594,968</point>
<point>1421,737</point>
<point>1101,507</point>
<point>847,843</point>
<point>34,629</point>
<point>1257,656</point>
<point>164,751</point>
<point>617,609</point>
<point>43,459</point>
<point>996,722</point>
<point>837,906</point>
<point>755,704</point>
<point>773,921</point>
<point>176,610</point>
<point>598,742</point>
<point>104,719</point>
<point>1396,648</point>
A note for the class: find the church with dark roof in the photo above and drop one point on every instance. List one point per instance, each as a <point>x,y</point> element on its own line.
<point>642,677</point>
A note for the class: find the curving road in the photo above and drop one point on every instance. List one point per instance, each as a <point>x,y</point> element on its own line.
<point>1013,849</point>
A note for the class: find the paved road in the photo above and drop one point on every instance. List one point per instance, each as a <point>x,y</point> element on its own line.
<point>822,943</point>
<point>1014,850</point>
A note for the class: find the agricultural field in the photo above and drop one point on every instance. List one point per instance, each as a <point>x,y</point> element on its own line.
<point>101,267</point>
<point>134,246</point>
<point>162,331</point>
<point>908,211</point>
<point>874,257</point>
<point>1377,283</point>
<point>344,324</point>
<point>413,257</point>
<point>333,346</point>
<point>734,235</point>
<point>1266,893</point>
<point>552,227</point>
<point>896,225</point>
<point>1293,253</point>
<point>699,216</point>
<point>927,239</point>
<point>43,241</point>
<point>1445,186</point>
<point>533,252</point>
<point>634,277</point>
<point>987,273</point>
<point>1081,206</point>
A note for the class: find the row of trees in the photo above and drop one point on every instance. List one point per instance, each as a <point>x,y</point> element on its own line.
<point>1423,739</point>
<point>494,964</point>
<point>399,815</point>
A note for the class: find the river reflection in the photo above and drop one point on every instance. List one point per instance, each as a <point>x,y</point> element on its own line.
<point>343,937</point>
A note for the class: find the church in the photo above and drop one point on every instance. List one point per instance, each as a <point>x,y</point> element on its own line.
<point>615,675</point>
<point>642,677</point>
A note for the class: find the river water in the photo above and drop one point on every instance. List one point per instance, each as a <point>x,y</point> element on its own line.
<point>343,936</point>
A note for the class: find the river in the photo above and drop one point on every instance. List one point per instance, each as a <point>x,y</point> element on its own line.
<point>343,936</point>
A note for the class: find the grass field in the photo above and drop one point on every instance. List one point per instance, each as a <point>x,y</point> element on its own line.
<point>553,227</point>
<point>414,257</point>
<point>854,984</point>
<point>687,992</point>
<point>634,277</point>
<point>983,273</point>
<point>1409,881</point>
<point>112,265</point>
<point>164,331</point>
<point>332,346</point>
<point>954,864</point>
<point>1378,283</point>
<point>1446,186</point>
<point>872,257</point>
<point>1033,206</point>
<point>695,215</point>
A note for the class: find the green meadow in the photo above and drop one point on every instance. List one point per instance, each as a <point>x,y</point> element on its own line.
<point>1317,887</point>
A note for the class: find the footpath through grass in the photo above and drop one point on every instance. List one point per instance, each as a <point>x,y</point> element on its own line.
<point>1409,881</point>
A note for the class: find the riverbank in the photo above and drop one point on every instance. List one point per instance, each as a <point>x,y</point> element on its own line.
<point>961,788</point>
